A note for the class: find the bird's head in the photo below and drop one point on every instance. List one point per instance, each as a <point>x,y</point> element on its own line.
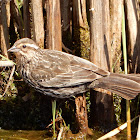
<point>24,47</point>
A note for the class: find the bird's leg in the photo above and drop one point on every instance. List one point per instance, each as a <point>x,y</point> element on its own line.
<point>53,113</point>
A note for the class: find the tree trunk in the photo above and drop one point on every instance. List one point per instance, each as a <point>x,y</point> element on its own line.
<point>101,104</point>
<point>115,32</point>
<point>100,34</point>
<point>79,13</point>
<point>66,24</point>
<point>26,18</point>
<point>81,113</point>
<point>133,35</point>
<point>38,23</point>
<point>53,25</point>
<point>65,14</point>
<point>4,32</point>
<point>80,31</point>
<point>16,18</point>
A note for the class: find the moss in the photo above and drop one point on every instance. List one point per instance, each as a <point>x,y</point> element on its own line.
<point>81,42</point>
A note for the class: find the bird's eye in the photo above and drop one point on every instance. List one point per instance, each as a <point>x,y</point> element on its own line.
<point>24,46</point>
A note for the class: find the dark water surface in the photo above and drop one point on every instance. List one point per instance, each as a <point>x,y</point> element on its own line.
<point>41,135</point>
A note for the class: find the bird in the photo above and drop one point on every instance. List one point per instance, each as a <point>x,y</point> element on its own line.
<point>62,75</point>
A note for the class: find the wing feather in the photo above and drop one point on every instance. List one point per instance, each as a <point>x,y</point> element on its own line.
<point>65,70</point>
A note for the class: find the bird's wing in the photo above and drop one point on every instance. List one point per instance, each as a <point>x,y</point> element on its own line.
<point>64,70</point>
<point>46,78</point>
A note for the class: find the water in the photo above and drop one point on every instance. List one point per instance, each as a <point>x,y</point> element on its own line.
<point>22,135</point>
<point>42,135</point>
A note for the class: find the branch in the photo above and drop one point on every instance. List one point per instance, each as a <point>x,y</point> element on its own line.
<point>116,130</point>
<point>6,63</point>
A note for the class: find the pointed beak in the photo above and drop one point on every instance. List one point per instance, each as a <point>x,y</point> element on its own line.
<point>14,49</point>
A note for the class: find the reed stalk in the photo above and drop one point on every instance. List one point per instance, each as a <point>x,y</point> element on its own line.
<point>125,70</point>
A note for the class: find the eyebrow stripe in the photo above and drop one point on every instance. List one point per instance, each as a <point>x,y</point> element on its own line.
<point>32,45</point>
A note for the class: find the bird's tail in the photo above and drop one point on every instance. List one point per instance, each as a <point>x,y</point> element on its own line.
<point>127,86</point>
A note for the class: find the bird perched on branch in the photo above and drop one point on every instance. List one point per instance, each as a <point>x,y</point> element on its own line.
<point>63,75</point>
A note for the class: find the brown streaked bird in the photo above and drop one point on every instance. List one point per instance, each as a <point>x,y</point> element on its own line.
<point>63,75</point>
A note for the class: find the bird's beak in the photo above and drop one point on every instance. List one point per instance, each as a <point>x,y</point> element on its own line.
<point>14,49</point>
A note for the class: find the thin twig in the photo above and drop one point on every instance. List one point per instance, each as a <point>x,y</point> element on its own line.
<point>116,130</point>
<point>60,133</point>
<point>66,49</point>
<point>10,78</point>
<point>56,120</point>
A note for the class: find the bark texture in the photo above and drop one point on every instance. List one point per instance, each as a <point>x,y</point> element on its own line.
<point>38,22</point>
<point>115,33</point>
<point>26,17</point>
<point>4,31</point>
<point>53,25</point>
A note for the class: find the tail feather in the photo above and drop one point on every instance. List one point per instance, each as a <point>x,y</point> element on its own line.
<point>127,86</point>
<point>125,93</point>
<point>134,77</point>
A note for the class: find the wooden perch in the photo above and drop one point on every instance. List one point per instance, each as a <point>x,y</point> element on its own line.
<point>6,63</point>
